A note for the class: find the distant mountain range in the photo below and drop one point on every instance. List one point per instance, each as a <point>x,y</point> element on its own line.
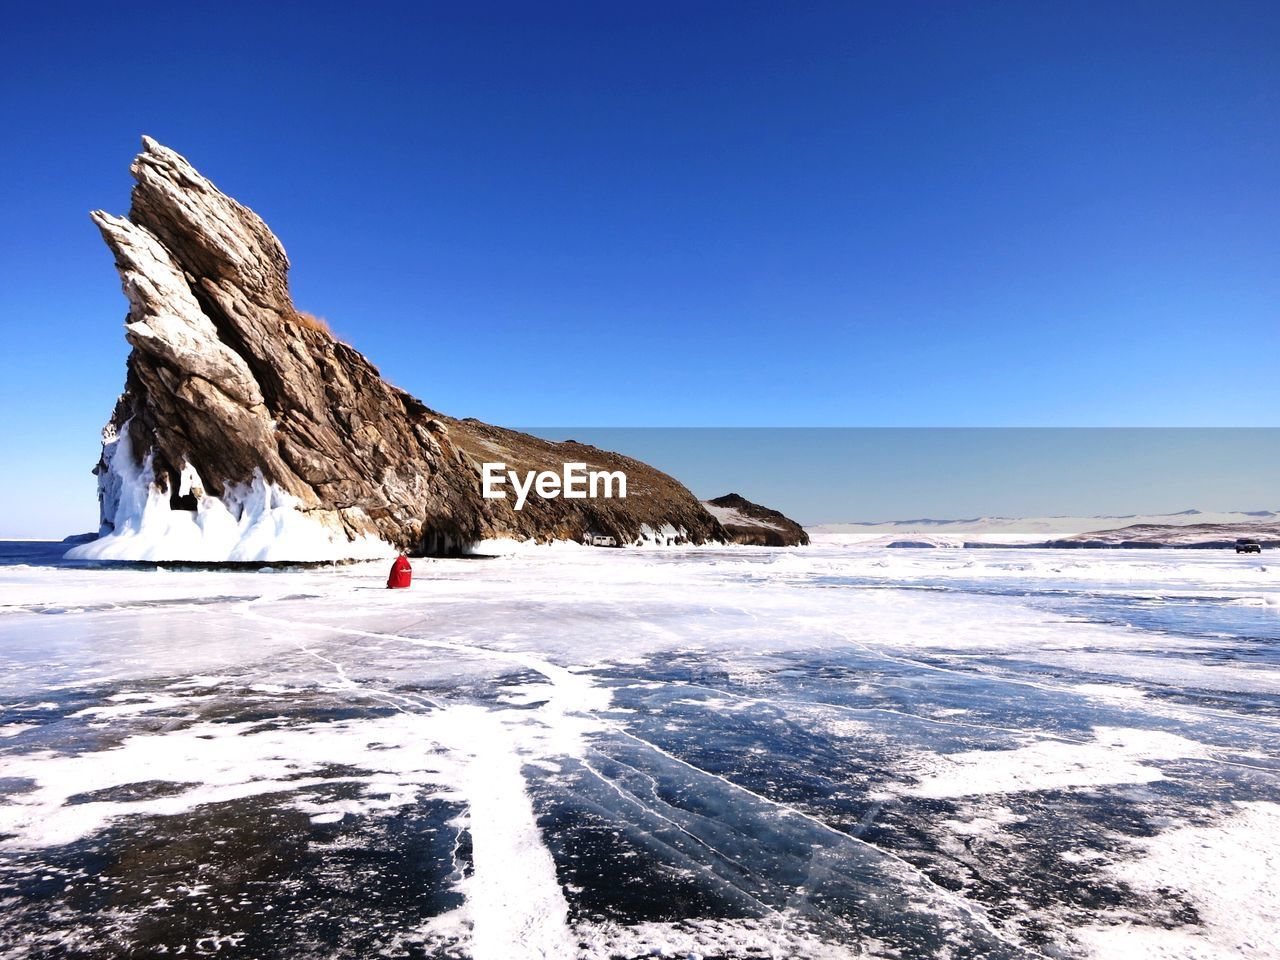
<point>1048,528</point>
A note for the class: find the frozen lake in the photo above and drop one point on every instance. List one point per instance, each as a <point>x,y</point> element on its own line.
<point>830,752</point>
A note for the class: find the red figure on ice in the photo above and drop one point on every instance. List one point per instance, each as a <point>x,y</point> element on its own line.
<point>401,574</point>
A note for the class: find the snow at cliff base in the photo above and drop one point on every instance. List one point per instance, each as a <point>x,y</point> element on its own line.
<point>254,522</point>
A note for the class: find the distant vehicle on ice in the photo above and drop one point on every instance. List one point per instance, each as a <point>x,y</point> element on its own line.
<point>599,540</point>
<point>1244,545</point>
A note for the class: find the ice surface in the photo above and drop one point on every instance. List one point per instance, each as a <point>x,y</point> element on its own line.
<point>831,752</point>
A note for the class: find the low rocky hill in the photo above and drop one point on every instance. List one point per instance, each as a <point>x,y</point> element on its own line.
<point>751,524</point>
<point>1197,535</point>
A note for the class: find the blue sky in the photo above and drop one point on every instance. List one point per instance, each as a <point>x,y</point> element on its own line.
<point>815,214</point>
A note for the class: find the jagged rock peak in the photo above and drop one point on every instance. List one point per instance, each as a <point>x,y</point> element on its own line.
<point>212,233</point>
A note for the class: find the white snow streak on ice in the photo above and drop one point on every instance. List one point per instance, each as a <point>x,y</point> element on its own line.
<point>514,900</point>
<point>516,904</point>
<point>217,762</point>
<point>1230,872</point>
<point>1114,756</point>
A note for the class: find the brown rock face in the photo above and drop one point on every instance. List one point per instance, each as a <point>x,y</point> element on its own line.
<point>226,378</point>
<point>753,525</point>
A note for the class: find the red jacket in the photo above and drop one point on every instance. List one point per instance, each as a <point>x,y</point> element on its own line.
<point>401,574</point>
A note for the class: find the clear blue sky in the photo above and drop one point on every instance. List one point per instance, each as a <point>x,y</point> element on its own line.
<point>734,214</point>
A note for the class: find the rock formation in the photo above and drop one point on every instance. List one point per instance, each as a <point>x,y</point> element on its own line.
<point>246,431</point>
<point>753,525</point>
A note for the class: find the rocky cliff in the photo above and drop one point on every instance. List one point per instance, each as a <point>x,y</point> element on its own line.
<point>753,525</point>
<point>246,431</point>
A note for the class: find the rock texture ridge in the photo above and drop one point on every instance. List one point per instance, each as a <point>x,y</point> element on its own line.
<point>245,426</point>
<point>753,525</point>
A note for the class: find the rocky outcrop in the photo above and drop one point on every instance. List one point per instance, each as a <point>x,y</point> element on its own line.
<point>247,431</point>
<point>753,525</point>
